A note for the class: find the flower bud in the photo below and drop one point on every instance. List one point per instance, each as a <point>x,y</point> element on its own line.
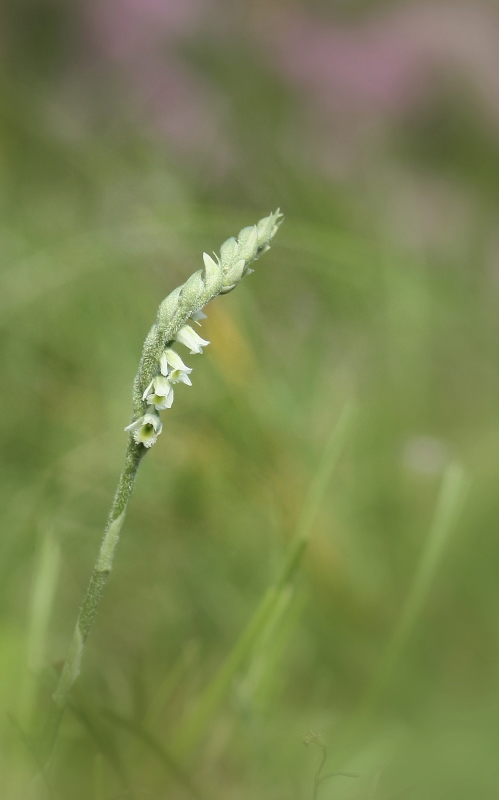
<point>228,252</point>
<point>188,337</point>
<point>248,243</point>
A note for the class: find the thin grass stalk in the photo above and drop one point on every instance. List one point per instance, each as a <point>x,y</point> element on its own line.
<point>313,737</point>
<point>451,498</point>
<point>195,726</point>
<point>89,718</point>
<point>45,578</point>
<point>98,777</point>
<point>159,750</point>
<point>449,504</point>
<point>317,776</point>
<point>40,783</point>
<point>266,654</point>
<point>170,683</point>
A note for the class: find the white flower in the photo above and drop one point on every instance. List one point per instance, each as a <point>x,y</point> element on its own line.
<point>159,393</point>
<point>197,316</point>
<point>179,372</point>
<point>146,429</point>
<point>190,339</point>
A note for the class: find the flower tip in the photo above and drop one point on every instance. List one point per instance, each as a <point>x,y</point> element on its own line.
<point>209,262</point>
<point>188,337</point>
<point>147,391</point>
<point>198,315</point>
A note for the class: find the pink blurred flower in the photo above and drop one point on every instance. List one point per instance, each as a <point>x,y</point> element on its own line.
<point>138,39</point>
<point>129,29</point>
<point>387,63</point>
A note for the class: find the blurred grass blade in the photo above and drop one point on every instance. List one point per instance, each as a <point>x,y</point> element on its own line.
<point>375,781</point>
<point>213,695</point>
<point>265,656</point>
<point>158,749</point>
<point>45,581</point>
<point>194,728</point>
<point>320,482</point>
<point>99,791</point>
<point>105,744</point>
<point>40,784</point>
<point>450,501</point>
<point>172,680</point>
<point>449,504</point>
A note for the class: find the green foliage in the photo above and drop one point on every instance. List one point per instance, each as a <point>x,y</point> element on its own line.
<point>369,299</point>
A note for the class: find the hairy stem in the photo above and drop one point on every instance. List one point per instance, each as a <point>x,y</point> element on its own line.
<point>217,277</point>
<point>102,568</point>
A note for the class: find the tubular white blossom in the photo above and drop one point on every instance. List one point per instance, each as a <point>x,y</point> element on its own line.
<point>179,372</point>
<point>147,428</point>
<point>171,358</point>
<point>160,393</point>
<point>188,337</point>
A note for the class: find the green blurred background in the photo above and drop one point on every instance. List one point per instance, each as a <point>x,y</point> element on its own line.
<point>134,134</point>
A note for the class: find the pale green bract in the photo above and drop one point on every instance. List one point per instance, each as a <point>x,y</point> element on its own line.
<point>219,276</point>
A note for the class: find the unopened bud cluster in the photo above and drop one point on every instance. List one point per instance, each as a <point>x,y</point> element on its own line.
<point>161,367</point>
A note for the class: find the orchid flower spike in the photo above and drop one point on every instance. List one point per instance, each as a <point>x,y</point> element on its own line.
<point>160,366</point>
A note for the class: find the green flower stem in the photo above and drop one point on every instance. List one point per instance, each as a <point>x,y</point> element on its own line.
<point>100,574</point>
<point>217,277</point>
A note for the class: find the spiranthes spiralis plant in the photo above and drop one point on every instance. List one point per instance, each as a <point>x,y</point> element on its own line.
<point>312,737</point>
<point>160,369</point>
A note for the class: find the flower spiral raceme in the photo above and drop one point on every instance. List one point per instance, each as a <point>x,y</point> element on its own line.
<point>160,369</point>
<point>161,366</point>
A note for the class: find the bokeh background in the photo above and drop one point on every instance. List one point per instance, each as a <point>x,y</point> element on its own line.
<point>351,390</point>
